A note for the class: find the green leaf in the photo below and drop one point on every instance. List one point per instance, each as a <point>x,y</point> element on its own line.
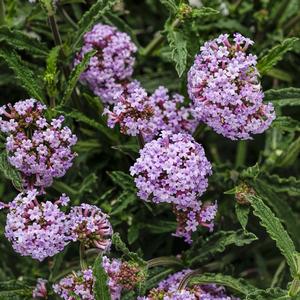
<point>203,12</point>
<point>217,243</point>
<point>275,230</point>
<point>125,181</point>
<point>242,213</point>
<point>121,246</point>
<point>21,41</point>
<point>123,201</point>
<point>286,124</point>
<point>91,17</point>
<point>74,76</point>
<point>178,45</point>
<point>25,75</point>
<point>275,54</point>
<point>133,234</point>
<point>170,5</point>
<point>283,97</point>
<point>10,172</point>
<point>161,226</point>
<point>101,289</point>
<point>288,157</point>
<point>239,285</point>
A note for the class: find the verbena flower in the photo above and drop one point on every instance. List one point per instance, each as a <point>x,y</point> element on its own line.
<point>169,113</point>
<point>40,291</point>
<point>174,169</point>
<point>112,65</point>
<point>224,86</point>
<point>132,111</point>
<point>36,229</point>
<point>90,226</point>
<point>168,290</point>
<point>39,149</point>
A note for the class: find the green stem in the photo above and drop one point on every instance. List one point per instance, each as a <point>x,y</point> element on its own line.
<point>83,264</point>
<point>295,287</point>
<point>2,12</point>
<point>241,154</point>
<point>157,40</point>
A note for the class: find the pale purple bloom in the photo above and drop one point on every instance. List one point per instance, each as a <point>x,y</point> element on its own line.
<point>40,291</point>
<point>224,86</point>
<point>112,65</point>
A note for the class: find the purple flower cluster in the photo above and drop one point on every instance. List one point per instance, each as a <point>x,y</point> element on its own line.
<point>112,65</point>
<point>173,169</point>
<point>40,150</point>
<point>224,86</point>
<point>169,114</point>
<point>132,111</point>
<point>76,285</point>
<point>90,226</point>
<point>40,291</point>
<point>37,229</point>
<point>168,290</point>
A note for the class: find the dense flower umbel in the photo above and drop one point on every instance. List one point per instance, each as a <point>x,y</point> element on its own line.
<point>37,229</point>
<point>76,285</point>
<point>40,291</point>
<point>121,275</point>
<point>168,290</point>
<point>224,86</point>
<point>169,114</point>
<point>172,169</point>
<point>90,226</point>
<point>132,111</point>
<point>40,150</point>
<point>113,63</point>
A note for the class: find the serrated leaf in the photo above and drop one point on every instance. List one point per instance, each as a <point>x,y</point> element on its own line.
<point>275,54</point>
<point>283,97</point>
<point>288,157</point>
<point>286,124</point>
<point>178,45</point>
<point>125,181</point>
<point>204,12</point>
<point>10,172</point>
<point>123,201</point>
<point>242,213</point>
<point>170,5</point>
<point>275,230</point>
<point>74,76</point>
<point>25,75</point>
<point>239,285</point>
<point>217,243</point>
<point>269,294</point>
<point>100,289</point>
<point>91,16</point>
<point>21,41</point>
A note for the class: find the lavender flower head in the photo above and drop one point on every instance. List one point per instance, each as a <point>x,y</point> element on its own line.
<point>224,86</point>
<point>172,169</point>
<point>169,114</point>
<point>113,63</point>
<point>40,150</point>
<point>90,226</point>
<point>39,230</point>
<point>168,290</point>
<point>76,285</point>
<point>40,291</point>
<point>132,111</point>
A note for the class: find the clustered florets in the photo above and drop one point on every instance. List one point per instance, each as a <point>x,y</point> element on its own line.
<point>168,290</point>
<point>37,229</point>
<point>40,150</point>
<point>173,169</point>
<point>121,275</point>
<point>223,84</point>
<point>40,290</point>
<point>90,226</point>
<point>112,65</point>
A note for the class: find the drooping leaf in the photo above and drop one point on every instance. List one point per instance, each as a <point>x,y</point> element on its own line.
<point>21,41</point>
<point>101,289</point>
<point>74,76</point>
<point>178,46</point>
<point>275,55</point>
<point>125,181</point>
<point>10,172</point>
<point>91,16</point>
<point>26,76</point>
<point>275,230</point>
<point>123,201</point>
<point>242,213</point>
<point>217,243</point>
<point>283,97</point>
